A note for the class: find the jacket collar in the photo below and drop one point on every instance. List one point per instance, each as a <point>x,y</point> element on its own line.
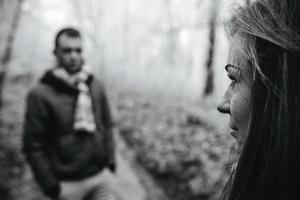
<point>49,78</point>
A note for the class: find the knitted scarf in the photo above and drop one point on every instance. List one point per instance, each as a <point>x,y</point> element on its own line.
<point>84,120</point>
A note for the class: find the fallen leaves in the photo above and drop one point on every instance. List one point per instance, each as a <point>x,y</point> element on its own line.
<point>174,145</point>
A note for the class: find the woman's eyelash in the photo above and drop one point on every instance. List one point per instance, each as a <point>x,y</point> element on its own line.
<point>231,77</point>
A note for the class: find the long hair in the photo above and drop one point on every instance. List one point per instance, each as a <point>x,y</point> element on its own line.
<point>269,165</point>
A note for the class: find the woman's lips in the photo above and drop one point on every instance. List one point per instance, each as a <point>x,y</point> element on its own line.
<point>234,129</point>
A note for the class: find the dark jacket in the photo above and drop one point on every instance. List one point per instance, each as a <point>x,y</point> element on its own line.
<point>53,149</point>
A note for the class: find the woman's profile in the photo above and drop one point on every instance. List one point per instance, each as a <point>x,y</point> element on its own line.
<point>263,100</point>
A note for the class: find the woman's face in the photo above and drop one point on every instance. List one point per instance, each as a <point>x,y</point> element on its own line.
<point>236,100</point>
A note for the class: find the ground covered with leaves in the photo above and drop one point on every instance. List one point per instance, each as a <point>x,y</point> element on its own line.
<point>182,150</point>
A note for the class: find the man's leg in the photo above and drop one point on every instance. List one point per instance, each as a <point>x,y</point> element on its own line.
<point>100,192</point>
<point>74,190</point>
<point>100,187</point>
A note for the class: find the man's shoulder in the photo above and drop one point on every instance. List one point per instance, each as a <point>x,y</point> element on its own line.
<point>40,90</point>
<point>96,82</point>
<point>95,79</point>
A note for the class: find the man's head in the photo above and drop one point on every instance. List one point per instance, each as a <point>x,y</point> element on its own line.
<point>68,47</point>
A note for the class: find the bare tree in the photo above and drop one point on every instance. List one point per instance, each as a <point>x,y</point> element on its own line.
<point>172,33</point>
<point>209,85</point>
<point>125,30</point>
<point>4,60</point>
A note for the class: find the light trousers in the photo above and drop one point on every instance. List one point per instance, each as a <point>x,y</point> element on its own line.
<point>97,187</point>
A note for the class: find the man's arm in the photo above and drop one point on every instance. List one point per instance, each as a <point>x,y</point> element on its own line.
<point>35,137</point>
<point>108,125</point>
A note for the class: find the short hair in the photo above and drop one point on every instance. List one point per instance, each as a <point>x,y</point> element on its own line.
<point>69,31</point>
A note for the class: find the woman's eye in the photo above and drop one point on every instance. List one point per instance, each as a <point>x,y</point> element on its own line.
<point>233,73</point>
<point>232,78</point>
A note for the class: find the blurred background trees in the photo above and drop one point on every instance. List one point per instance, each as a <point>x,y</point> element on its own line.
<point>162,64</point>
<point>162,47</point>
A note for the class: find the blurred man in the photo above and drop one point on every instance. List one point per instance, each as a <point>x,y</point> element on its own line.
<point>68,139</point>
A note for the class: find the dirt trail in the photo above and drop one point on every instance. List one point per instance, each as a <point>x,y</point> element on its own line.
<point>132,181</point>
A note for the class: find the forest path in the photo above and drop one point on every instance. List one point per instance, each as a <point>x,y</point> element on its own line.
<point>31,55</point>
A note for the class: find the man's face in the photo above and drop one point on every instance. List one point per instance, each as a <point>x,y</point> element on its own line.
<point>68,53</point>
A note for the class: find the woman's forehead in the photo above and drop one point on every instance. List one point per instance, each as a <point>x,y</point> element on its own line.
<point>238,55</point>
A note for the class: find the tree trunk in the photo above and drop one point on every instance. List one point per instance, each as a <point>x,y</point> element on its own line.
<point>209,85</point>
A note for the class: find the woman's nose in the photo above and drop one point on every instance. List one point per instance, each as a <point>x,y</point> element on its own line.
<point>224,105</point>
